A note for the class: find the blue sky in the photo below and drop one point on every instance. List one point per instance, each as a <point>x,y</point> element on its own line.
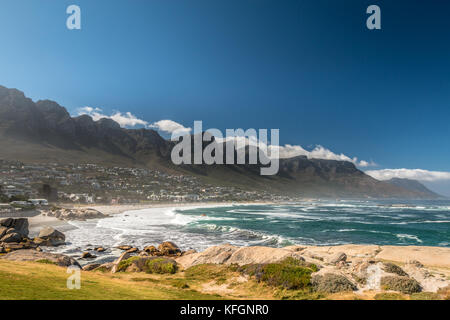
<point>310,68</point>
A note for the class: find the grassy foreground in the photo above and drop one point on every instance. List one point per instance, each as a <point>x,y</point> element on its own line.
<point>44,280</point>
<point>29,281</point>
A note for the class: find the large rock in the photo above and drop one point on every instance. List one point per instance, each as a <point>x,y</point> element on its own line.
<point>33,255</point>
<point>168,248</point>
<point>19,225</point>
<point>215,255</point>
<point>123,256</point>
<point>75,214</point>
<point>91,266</point>
<point>261,255</point>
<point>50,237</point>
<point>7,222</point>
<point>11,237</point>
<point>3,231</point>
<point>337,257</point>
<point>151,250</point>
<point>228,254</point>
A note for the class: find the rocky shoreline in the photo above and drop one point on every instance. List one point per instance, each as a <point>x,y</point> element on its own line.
<point>332,269</point>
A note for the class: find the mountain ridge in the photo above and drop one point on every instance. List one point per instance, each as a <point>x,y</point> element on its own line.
<point>44,131</point>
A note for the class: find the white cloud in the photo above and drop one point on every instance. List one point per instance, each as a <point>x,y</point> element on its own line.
<point>290,151</point>
<point>414,174</point>
<point>319,152</point>
<point>171,127</point>
<point>123,119</point>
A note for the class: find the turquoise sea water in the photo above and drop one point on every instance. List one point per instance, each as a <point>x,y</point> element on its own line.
<point>425,223</point>
<point>326,223</point>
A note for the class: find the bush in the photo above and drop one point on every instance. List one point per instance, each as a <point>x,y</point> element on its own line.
<point>289,273</point>
<point>401,284</point>
<point>392,268</point>
<point>161,265</point>
<point>332,283</point>
<point>148,265</point>
<point>425,296</point>
<point>124,264</point>
<point>389,296</point>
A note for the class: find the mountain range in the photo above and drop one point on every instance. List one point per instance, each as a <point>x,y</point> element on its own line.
<point>44,131</point>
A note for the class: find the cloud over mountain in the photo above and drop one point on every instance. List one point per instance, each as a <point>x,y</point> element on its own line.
<point>170,126</point>
<point>125,120</point>
<point>414,174</point>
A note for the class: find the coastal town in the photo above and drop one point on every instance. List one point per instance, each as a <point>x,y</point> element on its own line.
<point>26,185</point>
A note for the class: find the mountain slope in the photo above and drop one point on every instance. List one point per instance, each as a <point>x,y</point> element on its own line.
<point>45,132</point>
<point>413,185</point>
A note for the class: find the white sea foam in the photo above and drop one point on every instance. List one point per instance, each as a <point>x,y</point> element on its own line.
<point>408,236</point>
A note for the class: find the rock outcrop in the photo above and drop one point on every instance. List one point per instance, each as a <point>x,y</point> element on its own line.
<point>36,256</point>
<point>75,214</point>
<point>346,267</point>
<point>50,237</point>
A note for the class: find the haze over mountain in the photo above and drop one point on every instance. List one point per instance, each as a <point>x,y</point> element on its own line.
<point>44,131</point>
<point>413,185</point>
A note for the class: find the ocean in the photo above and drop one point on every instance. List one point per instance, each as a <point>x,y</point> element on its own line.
<point>424,223</point>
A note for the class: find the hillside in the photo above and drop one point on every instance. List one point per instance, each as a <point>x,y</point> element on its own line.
<point>44,131</point>
<point>413,185</point>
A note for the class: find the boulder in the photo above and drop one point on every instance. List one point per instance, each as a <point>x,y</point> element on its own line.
<point>261,255</point>
<point>215,255</point>
<point>152,250</point>
<point>21,226</point>
<point>18,246</point>
<point>168,248</point>
<point>88,255</point>
<point>125,248</point>
<point>50,237</point>
<point>123,256</point>
<point>11,237</point>
<point>3,231</point>
<point>100,249</point>
<point>337,257</point>
<point>105,267</point>
<point>90,267</point>
<point>7,222</point>
<point>33,255</point>
<point>132,250</point>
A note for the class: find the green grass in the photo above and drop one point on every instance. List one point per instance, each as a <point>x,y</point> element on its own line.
<point>46,261</point>
<point>40,281</point>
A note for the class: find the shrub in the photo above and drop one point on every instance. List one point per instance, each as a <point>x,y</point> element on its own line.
<point>392,268</point>
<point>332,283</point>
<point>425,296</point>
<point>124,264</point>
<point>207,271</point>
<point>288,274</point>
<point>389,296</point>
<point>160,265</point>
<point>401,284</point>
